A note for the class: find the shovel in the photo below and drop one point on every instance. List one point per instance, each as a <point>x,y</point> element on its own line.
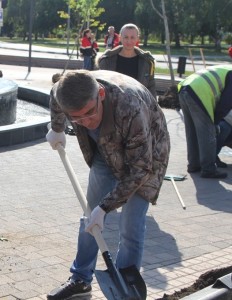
<point>174,178</point>
<point>122,284</point>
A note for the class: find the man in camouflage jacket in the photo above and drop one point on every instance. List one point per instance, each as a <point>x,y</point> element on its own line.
<point>123,136</point>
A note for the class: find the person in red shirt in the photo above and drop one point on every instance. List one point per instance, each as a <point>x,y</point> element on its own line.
<point>112,38</point>
<point>230,51</point>
<point>86,49</point>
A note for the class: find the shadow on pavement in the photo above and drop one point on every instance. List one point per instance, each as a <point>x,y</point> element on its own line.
<point>161,250</point>
<point>213,193</point>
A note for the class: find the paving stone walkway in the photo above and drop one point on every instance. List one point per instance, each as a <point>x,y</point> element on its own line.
<point>39,216</point>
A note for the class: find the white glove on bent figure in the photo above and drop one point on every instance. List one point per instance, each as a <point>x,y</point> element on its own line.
<point>55,138</point>
<point>96,218</point>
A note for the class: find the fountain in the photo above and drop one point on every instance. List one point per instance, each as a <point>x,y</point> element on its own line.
<point>17,133</point>
<point>8,101</point>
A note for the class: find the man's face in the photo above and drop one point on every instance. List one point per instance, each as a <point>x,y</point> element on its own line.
<point>111,30</point>
<point>129,38</point>
<point>89,116</point>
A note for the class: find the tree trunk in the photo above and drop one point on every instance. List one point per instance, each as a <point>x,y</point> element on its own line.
<point>191,39</point>
<point>177,40</point>
<point>145,38</point>
<point>168,49</point>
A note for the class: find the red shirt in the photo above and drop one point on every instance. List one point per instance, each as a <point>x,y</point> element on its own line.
<point>114,43</point>
<point>86,46</point>
<point>230,51</point>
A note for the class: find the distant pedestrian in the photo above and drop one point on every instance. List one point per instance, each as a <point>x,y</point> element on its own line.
<point>86,49</point>
<point>111,39</point>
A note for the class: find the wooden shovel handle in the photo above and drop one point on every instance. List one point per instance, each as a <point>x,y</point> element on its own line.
<point>178,194</point>
<point>81,197</point>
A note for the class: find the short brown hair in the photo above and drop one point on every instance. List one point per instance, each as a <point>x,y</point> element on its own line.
<point>75,89</point>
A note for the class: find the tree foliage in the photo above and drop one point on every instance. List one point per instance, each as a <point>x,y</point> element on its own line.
<point>188,19</point>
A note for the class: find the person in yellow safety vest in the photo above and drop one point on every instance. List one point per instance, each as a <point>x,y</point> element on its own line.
<point>205,99</point>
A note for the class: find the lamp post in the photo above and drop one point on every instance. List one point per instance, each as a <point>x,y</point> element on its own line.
<point>30,33</point>
<point>68,29</point>
<point>1,15</point>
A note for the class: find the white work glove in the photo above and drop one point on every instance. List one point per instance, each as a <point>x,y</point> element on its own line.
<point>96,218</point>
<point>55,138</point>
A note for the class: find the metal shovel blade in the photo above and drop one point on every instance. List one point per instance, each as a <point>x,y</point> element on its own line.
<point>108,287</point>
<point>135,285</point>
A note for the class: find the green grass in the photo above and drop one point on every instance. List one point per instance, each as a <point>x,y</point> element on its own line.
<point>154,48</point>
<point>165,71</point>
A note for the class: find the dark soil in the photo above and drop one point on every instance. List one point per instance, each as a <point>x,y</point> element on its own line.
<point>170,98</point>
<point>203,281</point>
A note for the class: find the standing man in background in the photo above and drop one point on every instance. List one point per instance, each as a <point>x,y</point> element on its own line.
<point>111,39</point>
<point>130,60</point>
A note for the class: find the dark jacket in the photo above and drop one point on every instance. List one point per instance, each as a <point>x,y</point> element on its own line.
<point>133,140</point>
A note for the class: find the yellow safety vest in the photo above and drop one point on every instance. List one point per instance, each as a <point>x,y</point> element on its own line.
<point>208,84</point>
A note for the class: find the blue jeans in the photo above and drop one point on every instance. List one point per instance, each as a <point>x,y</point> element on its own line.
<point>87,63</point>
<point>131,225</point>
<point>225,131</point>
<point>200,135</point>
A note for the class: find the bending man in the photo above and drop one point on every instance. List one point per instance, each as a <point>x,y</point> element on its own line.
<point>123,135</point>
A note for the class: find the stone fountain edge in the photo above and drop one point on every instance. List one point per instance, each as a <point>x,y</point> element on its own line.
<point>26,131</point>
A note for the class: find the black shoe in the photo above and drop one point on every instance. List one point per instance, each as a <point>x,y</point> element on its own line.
<point>220,164</point>
<point>193,170</point>
<point>215,174</point>
<point>69,131</point>
<point>70,289</point>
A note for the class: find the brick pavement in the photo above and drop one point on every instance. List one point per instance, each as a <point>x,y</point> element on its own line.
<point>39,216</point>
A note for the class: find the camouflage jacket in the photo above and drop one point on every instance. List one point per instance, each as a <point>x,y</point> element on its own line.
<point>133,140</point>
<point>146,67</point>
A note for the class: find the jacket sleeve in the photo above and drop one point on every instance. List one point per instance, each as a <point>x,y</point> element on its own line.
<point>225,104</point>
<point>58,118</point>
<point>152,87</point>
<point>151,84</point>
<point>104,62</point>
<point>137,155</point>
